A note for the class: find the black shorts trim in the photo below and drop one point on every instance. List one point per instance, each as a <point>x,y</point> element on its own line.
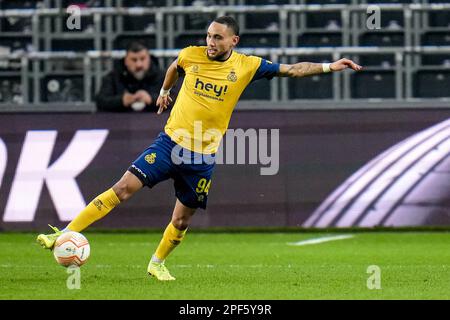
<point>145,181</point>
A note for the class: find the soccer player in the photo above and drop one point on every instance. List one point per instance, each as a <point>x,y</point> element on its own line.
<point>215,77</point>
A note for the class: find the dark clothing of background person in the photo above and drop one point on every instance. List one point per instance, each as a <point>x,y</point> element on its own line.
<point>120,80</point>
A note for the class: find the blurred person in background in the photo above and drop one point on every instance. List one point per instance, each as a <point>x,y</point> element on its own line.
<point>134,84</point>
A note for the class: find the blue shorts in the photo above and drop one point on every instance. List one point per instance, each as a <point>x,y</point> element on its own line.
<point>190,171</point>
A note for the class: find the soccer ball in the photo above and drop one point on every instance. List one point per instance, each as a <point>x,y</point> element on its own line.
<point>71,249</point>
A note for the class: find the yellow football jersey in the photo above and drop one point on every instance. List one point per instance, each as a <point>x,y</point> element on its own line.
<point>208,95</point>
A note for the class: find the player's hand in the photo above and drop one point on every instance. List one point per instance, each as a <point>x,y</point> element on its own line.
<point>163,102</point>
<point>343,64</point>
<point>143,96</point>
<point>128,99</point>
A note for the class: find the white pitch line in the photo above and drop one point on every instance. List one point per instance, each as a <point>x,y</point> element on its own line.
<point>321,240</point>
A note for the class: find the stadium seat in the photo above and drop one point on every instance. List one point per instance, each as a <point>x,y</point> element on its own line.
<point>185,40</point>
<point>203,3</point>
<point>325,20</point>
<point>436,38</point>
<point>373,84</point>
<point>10,89</point>
<point>431,83</point>
<point>435,60</point>
<point>121,41</point>
<point>381,60</point>
<point>259,40</point>
<point>267,2</point>
<point>382,39</point>
<point>15,25</point>
<point>19,4</point>
<point>269,21</point>
<point>15,43</point>
<point>144,3</point>
<point>198,21</point>
<point>324,39</point>
<point>392,20</point>
<point>315,87</point>
<point>79,45</point>
<point>144,23</point>
<point>57,88</point>
<point>439,19</point>
<point>87,3</point>
<point>389,1</point>
<point>328,1</point>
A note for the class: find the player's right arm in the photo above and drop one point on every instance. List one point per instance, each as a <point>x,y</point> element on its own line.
<point>304,69</point>
<point>171,78</point>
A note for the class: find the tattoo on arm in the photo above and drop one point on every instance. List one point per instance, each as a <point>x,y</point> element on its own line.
<point>301,69</point>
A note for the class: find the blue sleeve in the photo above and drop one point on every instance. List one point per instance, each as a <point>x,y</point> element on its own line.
<point>266,70</point>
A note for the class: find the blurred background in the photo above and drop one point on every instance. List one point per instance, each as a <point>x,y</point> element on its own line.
<point>406,53</point>
<point>331,125</point>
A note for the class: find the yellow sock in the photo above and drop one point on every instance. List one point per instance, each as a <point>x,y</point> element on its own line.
<point>171,238</point>
<point>95,210</point>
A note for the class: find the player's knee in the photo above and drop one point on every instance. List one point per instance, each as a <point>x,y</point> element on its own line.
<point>123,191</point>
<point>181,223</point>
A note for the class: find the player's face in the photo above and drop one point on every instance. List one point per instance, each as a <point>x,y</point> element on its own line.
<point>138,63</point>
<point>220,41</point>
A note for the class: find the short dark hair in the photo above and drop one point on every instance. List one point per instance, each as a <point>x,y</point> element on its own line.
<point>136,46</point>
<point>229,22</point>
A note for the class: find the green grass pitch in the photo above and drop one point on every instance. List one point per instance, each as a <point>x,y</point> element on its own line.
<point>413,265</point>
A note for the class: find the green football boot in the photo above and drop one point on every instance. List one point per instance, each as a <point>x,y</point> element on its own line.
<point>47,241</point>
<point>159,271</point>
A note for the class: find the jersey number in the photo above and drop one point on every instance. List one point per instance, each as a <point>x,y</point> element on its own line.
<point>203,186</point>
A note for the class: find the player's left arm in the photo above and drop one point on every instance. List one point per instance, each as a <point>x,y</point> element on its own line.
<point>304,69</point>
<point>170,79</point>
